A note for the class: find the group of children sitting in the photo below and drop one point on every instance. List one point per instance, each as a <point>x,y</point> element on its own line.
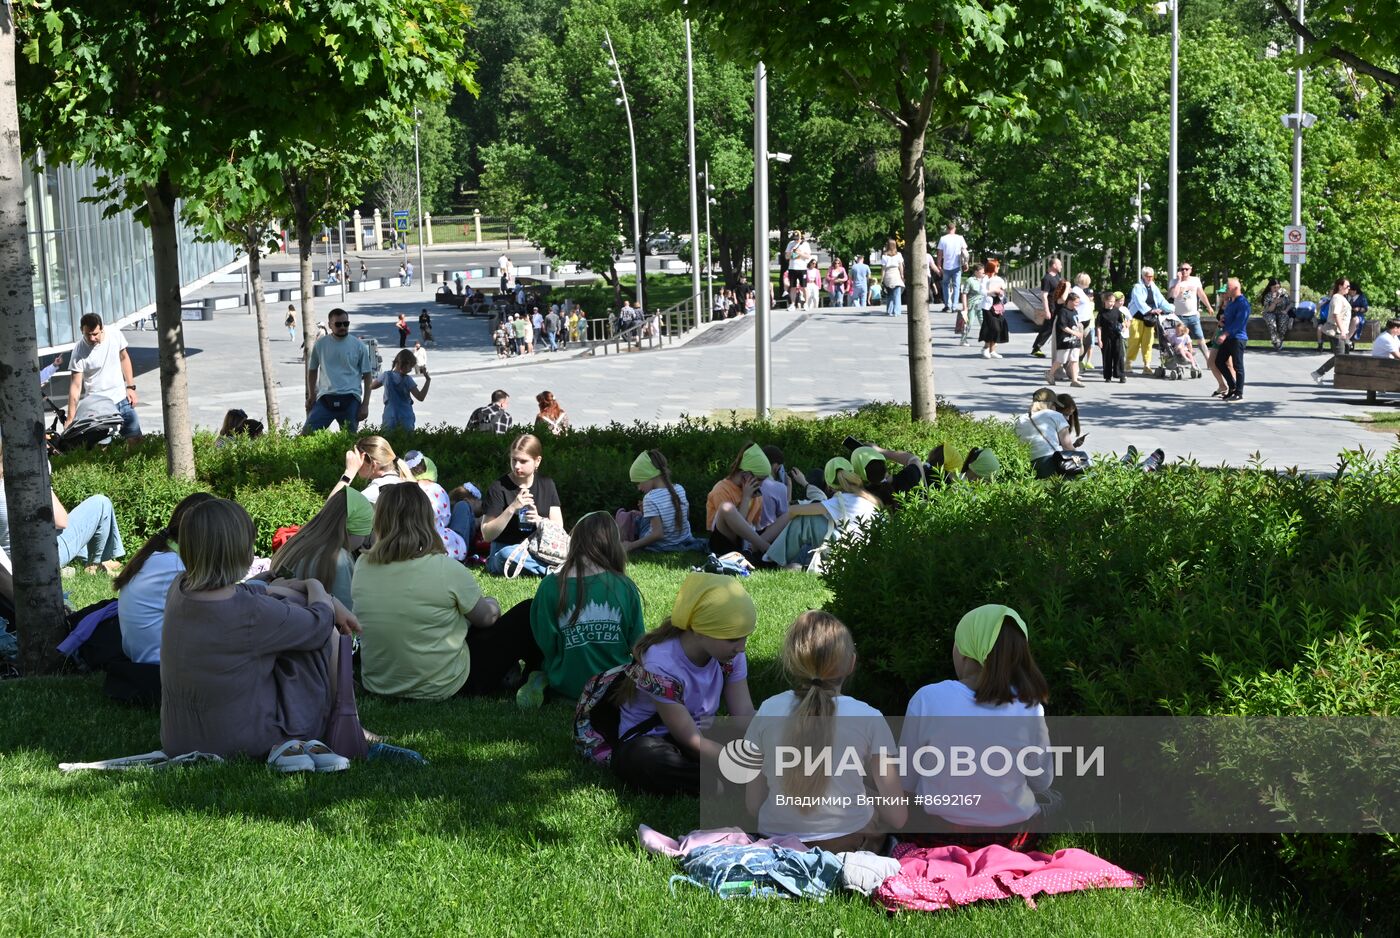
<point>248,665</point>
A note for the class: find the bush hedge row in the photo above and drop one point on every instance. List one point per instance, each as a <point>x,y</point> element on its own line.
<point>283,480</point>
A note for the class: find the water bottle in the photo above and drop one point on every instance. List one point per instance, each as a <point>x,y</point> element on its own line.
<point>521,518</point>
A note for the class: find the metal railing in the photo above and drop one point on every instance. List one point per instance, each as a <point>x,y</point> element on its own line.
<point>673,321</point>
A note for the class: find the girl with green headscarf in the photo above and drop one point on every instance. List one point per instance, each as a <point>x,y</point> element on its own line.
<point>686,668</point>
<point>663,524</point>
<point>804,528</point>
<point>996,677</point>
<point>734,505</point>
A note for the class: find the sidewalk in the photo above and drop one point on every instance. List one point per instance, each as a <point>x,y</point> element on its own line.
<point>823,361</point>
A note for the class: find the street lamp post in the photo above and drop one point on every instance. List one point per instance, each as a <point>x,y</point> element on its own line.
<point>1172,147</point>
<point>694,180</point>
<point>1140,219</point>
<point>1295,276</point>
<point>632,141</point>
<point>418,184</point>
<point>709,259</point>
<point>763,391</point>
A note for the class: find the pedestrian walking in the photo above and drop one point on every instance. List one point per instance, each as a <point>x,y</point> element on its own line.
<point>1049,287</point>
<point>1230,357</point>
<point>404,331</point>
<point>425,326</point>
<point>892,277</point>
<point>291,323</point>
<point>1145,299</point>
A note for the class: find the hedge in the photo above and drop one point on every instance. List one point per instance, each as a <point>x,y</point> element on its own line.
<point>283,479</point>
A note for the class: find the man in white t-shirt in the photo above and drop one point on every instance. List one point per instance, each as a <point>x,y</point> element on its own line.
<point>1187,295</point>
<point>102,368</point>
<point>507,272</point>
<point>798,252</point>
<point>952,255</point>
<point>1387,344</point>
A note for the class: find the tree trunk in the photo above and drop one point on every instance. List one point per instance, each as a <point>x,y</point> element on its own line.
<point>301,223</point>
<point>174,383</point>
<point>642,260</point>
<point>616,284</point>
<point>911,190</point>
<point>37,589</point>
<point>253,244</point>
<point>726,260</point>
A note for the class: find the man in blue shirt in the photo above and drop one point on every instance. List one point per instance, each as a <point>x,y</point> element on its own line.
<point>860,282</point>
<point>1230,357</point>
<point>1144,299</point>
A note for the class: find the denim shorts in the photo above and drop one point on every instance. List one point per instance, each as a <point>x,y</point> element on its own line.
<point>1193,326</point>
<point>131,424</point>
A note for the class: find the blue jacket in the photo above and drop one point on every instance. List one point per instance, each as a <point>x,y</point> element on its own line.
<point>1139,303</point>
<point>1237,317</point>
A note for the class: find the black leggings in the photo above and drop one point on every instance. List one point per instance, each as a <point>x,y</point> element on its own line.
<point>497,648</point>
<point>658,765</point>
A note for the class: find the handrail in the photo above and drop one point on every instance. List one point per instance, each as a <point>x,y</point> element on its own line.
<point>675,320</point>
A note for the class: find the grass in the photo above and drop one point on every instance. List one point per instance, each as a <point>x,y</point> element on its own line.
<point>505,833</point>
<point>1378,421</point>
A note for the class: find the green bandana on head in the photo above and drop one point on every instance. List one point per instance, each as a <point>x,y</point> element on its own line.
<point>756,462</point>
<point>359,513</point>
<point>977,633</point>
<point>985,465</point>
<point>862,457</point>
<point>835,465</point>
<point>643,469</point>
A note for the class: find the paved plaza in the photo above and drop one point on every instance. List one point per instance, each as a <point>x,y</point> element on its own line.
<point>823,361</point>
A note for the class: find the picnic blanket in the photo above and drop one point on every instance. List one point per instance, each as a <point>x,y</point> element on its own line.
<point>932,879</point>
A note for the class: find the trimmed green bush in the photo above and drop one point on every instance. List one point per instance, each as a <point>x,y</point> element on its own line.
<point>589,466</point>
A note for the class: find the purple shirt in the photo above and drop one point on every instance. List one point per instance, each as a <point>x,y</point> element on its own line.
<point>702,685</point>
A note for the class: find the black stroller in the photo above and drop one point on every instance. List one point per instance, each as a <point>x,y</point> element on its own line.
<point>95,423</point>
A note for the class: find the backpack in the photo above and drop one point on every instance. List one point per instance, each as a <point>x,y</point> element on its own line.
<point>597,716</point>
<point>480,418</point>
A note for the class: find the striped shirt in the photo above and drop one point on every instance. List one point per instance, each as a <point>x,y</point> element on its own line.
<point>657,504</point>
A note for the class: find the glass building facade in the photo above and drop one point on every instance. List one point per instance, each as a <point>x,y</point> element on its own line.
<point>85,263</point>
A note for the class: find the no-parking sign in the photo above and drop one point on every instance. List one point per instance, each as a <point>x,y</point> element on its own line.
<point>1295,244</point>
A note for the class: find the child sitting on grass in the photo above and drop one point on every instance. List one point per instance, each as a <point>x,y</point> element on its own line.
<point>586,617</point>
<point>734,505</point>
<point>698,650</point>
<point>996,677</point>
<point>663,524</point>
<point>849,508</point>
<point>815,717</point>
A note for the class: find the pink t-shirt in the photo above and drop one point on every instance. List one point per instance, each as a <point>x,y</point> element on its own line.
<point>703,686</point>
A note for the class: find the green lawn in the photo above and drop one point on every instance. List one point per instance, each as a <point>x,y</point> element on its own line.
<point>505,833</point>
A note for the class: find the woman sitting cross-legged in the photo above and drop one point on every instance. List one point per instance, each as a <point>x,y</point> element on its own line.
<point>428,631</point>
<point>797,534</point>
<point>246,669</point>
<point>586,617</point>
<point>514,506</point>
<point>735,505</point>
<point>324,549</point>
<point>88,533</point>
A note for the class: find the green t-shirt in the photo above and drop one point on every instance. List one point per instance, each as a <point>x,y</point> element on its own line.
<point>609,624</point>
<point>414,616</point>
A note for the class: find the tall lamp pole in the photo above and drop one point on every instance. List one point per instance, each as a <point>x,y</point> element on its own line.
<point>418,184</point>
<point>709,258</point>
<point>1140,219</point>
<point>763,391</point>
<point>695,298</point>
<point>1295,276</point>
<point>1172,151</point>
<point>632,141</point>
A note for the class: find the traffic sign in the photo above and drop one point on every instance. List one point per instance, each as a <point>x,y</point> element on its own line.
<point>1295,258</point>
<point>1295,239</point>
<point>401,221</point>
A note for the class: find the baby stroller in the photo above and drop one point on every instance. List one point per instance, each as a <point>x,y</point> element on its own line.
<point>95,423</point>
<point>1174,365</point>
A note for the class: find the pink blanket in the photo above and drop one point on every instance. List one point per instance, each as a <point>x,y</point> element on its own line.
<point>935,878</point>
<point>656,842</point>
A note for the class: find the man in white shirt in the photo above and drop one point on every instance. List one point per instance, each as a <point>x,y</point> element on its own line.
<point>1387,344</point>
<point>798,252</point>
<point>101,367</point>
<point>1187,295</point>
<point>952,254</point>
<point>507,272</point>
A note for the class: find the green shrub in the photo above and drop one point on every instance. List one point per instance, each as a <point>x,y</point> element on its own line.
<point>588,465</point>
<point>1144,593</point>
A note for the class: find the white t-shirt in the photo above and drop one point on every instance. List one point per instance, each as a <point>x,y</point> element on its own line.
<point>1084,312</point>
<point>798,254</point>
<point>857,727</point>
<point>852,510</point>
<point>1042,436</point>
<point>1385,345</point>
<point>946,715</point>
<point>101,366</point>
<point>995,284</point>
<point>1187,302</point>
<point>141,606</point>
<point>951,248</point>
<point>892,270</point>
<point>371,491</point>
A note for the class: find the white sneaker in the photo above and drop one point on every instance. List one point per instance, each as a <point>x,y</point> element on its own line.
<point>996,355</point>
<point>987,354</point>
<point>1317,378</point>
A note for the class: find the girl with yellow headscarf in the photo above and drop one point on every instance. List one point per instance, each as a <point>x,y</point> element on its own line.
<point>687,667</point>
<point>996,677</point>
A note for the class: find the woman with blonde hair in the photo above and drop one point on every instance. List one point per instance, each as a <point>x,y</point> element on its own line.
<point>515,504</point>
<point>246,668</point>
<point>818,658</point>
<point>892,277</point>
<point>429,633</point>
<point>372,458</point>
<point>1045,430</point>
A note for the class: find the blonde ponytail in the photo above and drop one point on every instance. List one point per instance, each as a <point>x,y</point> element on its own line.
<point>818,655</point>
